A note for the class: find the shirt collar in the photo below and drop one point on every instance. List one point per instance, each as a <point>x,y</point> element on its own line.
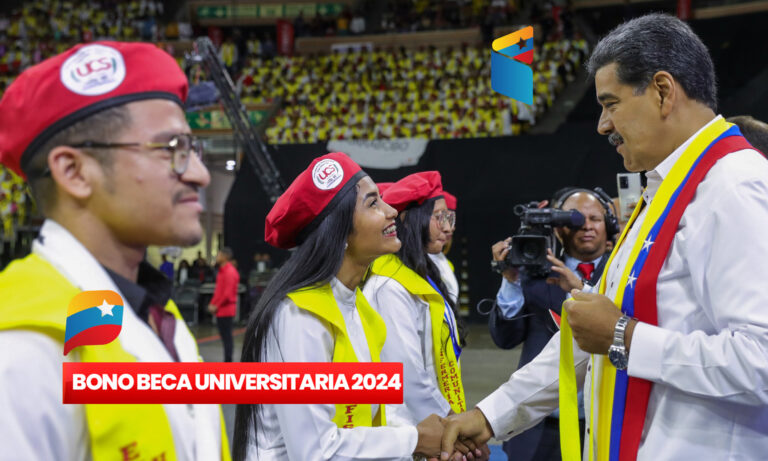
<point>344,296</point>
<point>60,248</point>
<point>151,288</point>
<point>571,262</point>
<point>657,175</point>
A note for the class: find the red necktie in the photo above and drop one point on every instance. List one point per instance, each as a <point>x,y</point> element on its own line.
<point>586,269</point>
<point>166,328</point>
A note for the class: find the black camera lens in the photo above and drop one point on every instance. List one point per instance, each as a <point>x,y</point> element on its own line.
<point>531,250</point>
<point>623,182</point>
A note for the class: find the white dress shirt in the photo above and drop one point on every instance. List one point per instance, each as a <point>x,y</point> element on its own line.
<point>307,432</point>
<point>36,425</point>
<point>708,358</point>
<point>447,275</point>
<point>409,340</point>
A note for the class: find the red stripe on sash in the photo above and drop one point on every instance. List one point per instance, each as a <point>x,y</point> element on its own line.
<point>646,310</point>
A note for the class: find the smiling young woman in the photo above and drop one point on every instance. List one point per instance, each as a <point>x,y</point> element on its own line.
<point>313,311</point>
<point>406,289</point>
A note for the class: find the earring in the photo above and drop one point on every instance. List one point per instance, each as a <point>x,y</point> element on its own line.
<point>346,245</point>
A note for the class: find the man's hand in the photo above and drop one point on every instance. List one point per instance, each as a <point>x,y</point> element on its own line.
<point>464,430</point>
<point>212,308</point>
<point>485,453</point>
<point>568,280</point>
<point>593,318</point>
<point>430,434</point>
<point>500,251</point>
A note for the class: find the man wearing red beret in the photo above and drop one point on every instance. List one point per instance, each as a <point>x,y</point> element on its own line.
<point>100,134</point>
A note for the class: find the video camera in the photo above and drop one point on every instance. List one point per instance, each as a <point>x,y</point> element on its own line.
<point>529,246</point>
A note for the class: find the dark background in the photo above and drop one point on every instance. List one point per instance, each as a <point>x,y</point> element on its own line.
<point>491,175</point>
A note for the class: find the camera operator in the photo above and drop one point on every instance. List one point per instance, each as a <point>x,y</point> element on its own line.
<point>521,313</point>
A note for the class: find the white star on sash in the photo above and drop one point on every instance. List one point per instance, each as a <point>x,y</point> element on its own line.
<point>631,280</point>
<point>105,308</point>
<point>647,245</point>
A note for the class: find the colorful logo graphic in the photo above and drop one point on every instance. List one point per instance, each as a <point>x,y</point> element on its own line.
<point>511,58</point>
<point>93,318</point>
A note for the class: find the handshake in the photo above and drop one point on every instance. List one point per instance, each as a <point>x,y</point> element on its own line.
<point>455,437</point>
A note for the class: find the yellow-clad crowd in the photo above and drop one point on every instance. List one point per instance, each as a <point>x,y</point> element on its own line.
<point>430,93</point>
<point>43,28</point>
<point>13,201</point>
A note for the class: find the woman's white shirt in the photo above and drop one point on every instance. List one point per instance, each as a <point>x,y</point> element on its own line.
<point>409,341</point>
<point>307,432</point>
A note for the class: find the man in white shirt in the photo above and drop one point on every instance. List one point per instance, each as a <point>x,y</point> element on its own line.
<point>99,133</point>
<point>705,361</point>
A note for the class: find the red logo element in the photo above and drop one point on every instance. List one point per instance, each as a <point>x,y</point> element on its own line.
<point>95,65</point>
<point>327,171</point>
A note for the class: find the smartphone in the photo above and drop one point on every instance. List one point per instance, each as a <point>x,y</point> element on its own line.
<point>630,192</point>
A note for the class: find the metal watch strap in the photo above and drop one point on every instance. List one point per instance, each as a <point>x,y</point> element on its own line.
<point>620,330</point>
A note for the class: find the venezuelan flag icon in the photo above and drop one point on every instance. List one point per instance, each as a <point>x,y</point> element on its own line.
<point>93,318</point>
<point>511,59</point>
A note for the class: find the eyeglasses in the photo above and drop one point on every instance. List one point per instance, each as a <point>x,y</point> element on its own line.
<point>180,146</point>
<point>446,217</point>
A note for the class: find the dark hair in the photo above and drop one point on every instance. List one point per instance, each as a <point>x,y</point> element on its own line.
<point>98,127</point>
<point>413,231</point>
<point>314,263</point>
<point>655,42</point>
<point>227,251</point>
<point>754,130</point>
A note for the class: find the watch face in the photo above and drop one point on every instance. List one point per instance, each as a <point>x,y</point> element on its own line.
<point>618,357</point>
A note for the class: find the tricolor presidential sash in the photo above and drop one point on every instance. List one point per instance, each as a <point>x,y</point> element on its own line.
<point>619,402</point>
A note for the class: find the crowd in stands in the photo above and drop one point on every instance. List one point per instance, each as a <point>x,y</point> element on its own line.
<point>430,93</point>
<point>381,94</point>
<point>13,200</point>
<point>409,16</point>
<point>43,28</point>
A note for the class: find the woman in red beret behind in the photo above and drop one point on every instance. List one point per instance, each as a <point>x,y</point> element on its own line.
<point>313,311</point>
<point>408,292</point>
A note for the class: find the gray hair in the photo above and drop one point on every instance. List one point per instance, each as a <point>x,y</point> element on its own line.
<point>655,42</point>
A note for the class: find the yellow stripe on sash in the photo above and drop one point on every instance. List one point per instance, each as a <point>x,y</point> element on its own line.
<point>603,372</point>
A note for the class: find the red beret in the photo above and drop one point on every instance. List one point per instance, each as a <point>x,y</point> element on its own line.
<point>383,186</point>
<point>310,198</point>
<point>414,188</point>
<point>76,84</point>
<point>450,200</point>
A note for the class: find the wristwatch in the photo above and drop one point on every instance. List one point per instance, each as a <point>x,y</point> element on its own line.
<point>498,266</point>
<point>617,353</point>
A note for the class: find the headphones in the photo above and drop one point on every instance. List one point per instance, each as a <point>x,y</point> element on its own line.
<point>611,222</point>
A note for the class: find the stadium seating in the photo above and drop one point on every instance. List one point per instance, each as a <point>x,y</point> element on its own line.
<point>431,93</point>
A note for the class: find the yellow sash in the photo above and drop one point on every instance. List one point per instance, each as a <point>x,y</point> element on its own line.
<point>116,431</point>
<point>447,367</point>
<point>603,376</point>
<point>321,302</point>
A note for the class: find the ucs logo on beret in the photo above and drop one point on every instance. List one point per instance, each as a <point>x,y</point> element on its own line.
<point>94,70</point>
<point>327,174</point>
